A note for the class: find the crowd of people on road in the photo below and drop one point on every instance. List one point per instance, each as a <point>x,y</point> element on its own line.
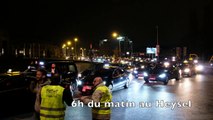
<point>51,99</point>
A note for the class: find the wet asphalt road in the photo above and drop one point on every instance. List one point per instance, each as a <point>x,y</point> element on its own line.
<point>190,98</point>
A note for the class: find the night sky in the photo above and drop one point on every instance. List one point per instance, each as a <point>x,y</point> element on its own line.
<point>180,22</point>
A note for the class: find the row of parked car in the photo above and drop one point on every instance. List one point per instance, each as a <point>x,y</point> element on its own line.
<point>78,75</point>
<point>15,94</point>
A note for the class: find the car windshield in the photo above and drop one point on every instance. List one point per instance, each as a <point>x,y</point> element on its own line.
<point>104,72</point>
<point>156,69</point>
<point>62,68</point>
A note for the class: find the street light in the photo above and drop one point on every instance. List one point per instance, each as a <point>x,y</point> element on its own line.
<point>119,38</point>
<point>64,51</point>
<point>114,34</point>
<point>64,46</point>
<point>72,48</point>
<point>81,51</point>
<point>68,45</point>
<point>84,52</point>
<point>101,42</point>
<point>76,40</point>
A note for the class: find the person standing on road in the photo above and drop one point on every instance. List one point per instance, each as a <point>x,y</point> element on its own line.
<point>54,99</point>
<point>35,86</point>
<point>101,94</point>
<point>41,80</point>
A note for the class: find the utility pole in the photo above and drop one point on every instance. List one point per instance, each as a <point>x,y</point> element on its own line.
<point>24,50</point>
<point>30,51</point>
<point>157,34</point>
<point>39,50</point>
<point>157,46</point>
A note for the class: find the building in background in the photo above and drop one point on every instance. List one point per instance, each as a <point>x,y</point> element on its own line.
<point>126,47</point>
<point>4,43</point>
<point>37,50</point>
<point>121,47</point>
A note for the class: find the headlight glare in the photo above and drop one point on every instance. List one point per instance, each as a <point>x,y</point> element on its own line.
<point>163,75</point>
<point>79,75</point>
<point>187,70</point>
<point>79,82</point>
<point>145,74</point>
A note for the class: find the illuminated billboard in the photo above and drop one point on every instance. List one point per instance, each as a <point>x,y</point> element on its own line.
<point>150,50</point>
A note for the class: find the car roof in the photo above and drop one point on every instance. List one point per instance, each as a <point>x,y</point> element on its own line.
<point>61,61</point>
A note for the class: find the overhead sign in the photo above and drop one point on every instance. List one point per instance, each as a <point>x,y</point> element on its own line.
<point>150,50</point>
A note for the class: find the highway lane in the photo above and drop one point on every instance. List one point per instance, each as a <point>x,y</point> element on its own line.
<point>187,99</point>
<point>190,98</point>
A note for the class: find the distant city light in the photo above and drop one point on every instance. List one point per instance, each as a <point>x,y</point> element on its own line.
<point>120,38</point>
<point>173,58</point>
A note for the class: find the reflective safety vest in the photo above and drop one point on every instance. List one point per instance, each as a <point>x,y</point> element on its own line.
<point>52,106</point>
<point>106,97</point>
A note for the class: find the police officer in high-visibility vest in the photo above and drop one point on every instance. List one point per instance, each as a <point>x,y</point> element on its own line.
<point>53,99</point>
<point>100,95</point>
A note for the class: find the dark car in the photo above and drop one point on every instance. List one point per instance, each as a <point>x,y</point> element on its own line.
<point>85,68</point>
<point>67,71</point>
<point>30,71</point>
<point>15,95</point>
<point>161,73</point>
<point>139,69</point>
<point>113,77</point>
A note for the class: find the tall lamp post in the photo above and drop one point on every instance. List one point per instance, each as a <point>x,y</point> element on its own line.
<point>68,49</point>
<point>157,46</point>
<point>119,38</point>
<point>72,48</point>
<point>115,35</point>
<point>64,50</point>
<point>75,40</point>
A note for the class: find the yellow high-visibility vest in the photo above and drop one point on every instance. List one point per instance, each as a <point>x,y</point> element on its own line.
<point>106,97</point>
<point>52,106</point>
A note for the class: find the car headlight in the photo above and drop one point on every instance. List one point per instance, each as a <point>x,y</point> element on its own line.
<point>195,61</point>
<point>79,82</point>
<point>199,68</point>
<point>9,70</point>
<point>180,72</point>
<point>41,63</point>
<point>145,74</point>
<point>186,70</point>
<point>79,75</point>
<point>166,64</point>
<point>163,75</point>
<point>49,75</point>
<point>104,82</point>
<point>135,71</point>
